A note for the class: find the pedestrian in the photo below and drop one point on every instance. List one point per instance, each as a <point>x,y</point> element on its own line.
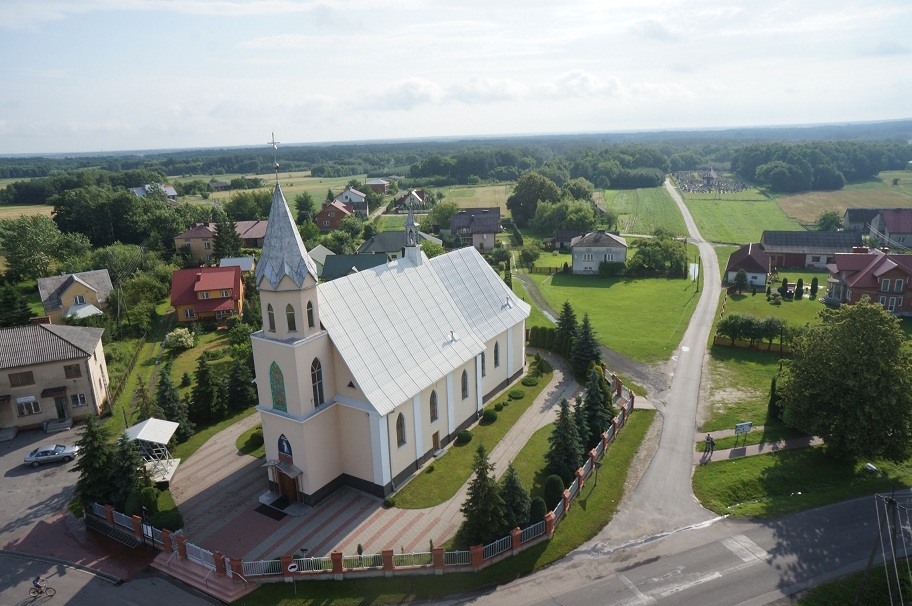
<point>710,444</point>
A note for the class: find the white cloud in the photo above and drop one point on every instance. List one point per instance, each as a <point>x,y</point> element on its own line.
<point>580,83</point>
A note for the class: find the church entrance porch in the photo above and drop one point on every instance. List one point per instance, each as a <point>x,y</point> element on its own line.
<point>283,480</point>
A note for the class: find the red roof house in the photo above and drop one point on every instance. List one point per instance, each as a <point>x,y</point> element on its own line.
<point>875,273</point>
<point>207,292</point>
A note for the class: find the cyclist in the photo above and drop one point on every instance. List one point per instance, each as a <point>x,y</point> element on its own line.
<point>39,583</point>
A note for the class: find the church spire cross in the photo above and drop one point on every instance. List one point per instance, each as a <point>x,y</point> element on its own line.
<point>275,150</point>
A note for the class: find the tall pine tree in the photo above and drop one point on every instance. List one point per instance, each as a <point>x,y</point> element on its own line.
<point>582,423</point>
<point>207,403</point>
<point>14,307</point>
<point>145,405</point>
<point>483,508</point>
<point>227,242</point>
<point>566,330</point>
<point>125,464</point>
<point>94,463</point>
<point>598,407</point>
<point>516,499</point>
<point>167,398</point>
<point>585,349</point>
<point>242,393</point>
<point>565,451</point>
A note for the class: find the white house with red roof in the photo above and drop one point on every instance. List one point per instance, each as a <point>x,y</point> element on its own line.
<point>353,198</point>
<point>892,227</point>
<point>875,273</point>
<point>753,260</point>
<point>207,293</point>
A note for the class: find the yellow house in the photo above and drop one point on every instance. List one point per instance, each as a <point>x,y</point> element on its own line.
<point>363,379</point>
<point>79,295</point>
<point>207,293</point>
<point>50,372</point>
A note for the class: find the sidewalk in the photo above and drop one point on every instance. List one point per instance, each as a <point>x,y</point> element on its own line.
<point>701,458</point>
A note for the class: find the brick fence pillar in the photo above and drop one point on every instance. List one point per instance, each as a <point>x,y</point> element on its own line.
<point>566,501</point>
<point>336,558</point>
<point>182,547</point>
<point>620,384</point>
<point>593,457</point>
<point>167,544</point>
<point>109,514</point>
<point>219,563</point>
<point>437,552</point>
<point>137,527</point>
<point>632,398</point>
<point>388,568</point>
<point>549,524</point>
<point>580,477</point>
<point>285,560</point>
<point>515,540</point>
<point>476,553</point>
<point>237,566</point>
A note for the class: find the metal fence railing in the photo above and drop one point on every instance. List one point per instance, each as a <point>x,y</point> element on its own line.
<point>363,561</point>
<point>314,564</point>
<point>532,532</point>
<point>98,510</point>
<point>413,559</point>
<point>261,568</point>
<point>201,556</point>
<point>123,520</point>
<point>457,558</point>
<point>498,547</point>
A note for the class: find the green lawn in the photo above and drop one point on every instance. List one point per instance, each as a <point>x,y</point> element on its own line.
<point>587,516</point>
<point>843,591</point>
<point>643,319</point>
<point>642,211</point>
<point>740,385</point>
<point>737,221</point>
<point>441,479</point>
<point>778,483</point>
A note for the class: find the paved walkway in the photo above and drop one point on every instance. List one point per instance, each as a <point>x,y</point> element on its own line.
<point>701,458</point>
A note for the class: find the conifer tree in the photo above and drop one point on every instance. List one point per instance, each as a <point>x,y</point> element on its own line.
<point>582,424</point>
<point>227,242</point>
<point>598,408</point>
<point>14,307</point>
<point>94,463</point>
<point>564,453</point>
<point>483,508</point>
<point>167,398</point>
<point>585,349</point>
<point>241,391</point>
<point>125,464</point>
<point>145,405</point>
<point>566,329</point>
<point>516,499</point>
<point>206,400</point>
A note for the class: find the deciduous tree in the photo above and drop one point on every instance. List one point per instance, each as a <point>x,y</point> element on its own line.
<point>850,383</point>
<point>530,189</point>
<point>829,220</point>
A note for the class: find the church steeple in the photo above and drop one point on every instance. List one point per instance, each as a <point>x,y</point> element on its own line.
<point>284,253</point>
<point>412,239</point>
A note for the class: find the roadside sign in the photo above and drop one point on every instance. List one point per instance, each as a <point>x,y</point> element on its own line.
<point>743,427</point>
<point>293,567</point>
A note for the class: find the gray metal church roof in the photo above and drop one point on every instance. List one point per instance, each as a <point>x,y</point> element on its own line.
<point>284,253</point>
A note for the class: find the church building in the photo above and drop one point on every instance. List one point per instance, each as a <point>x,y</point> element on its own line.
<point>364,378</point>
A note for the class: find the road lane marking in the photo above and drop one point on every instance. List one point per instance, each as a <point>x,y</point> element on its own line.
<point>641,598</point>
<point>744,548</point>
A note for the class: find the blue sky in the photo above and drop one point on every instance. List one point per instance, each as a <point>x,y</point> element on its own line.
<point>109,75</point>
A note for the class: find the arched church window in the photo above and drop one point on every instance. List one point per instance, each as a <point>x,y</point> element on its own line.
<point>310,315</point>
<point>400,430</point>
<point>465,385</point>
<point>496,354</point>
<point>484,371</point>
<point>290,318</point>
<point>433,406</point>
<point>270,317</point>
<point>277,385</point>
<point>316,377</point>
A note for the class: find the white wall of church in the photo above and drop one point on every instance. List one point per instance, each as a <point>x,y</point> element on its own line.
<point>468,407</point>
<point>343,376</point>
<point>402,455</point>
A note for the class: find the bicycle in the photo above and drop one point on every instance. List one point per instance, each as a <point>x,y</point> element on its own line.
<point>45,590</point>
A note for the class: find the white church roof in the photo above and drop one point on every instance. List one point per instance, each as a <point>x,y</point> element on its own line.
<point>398,330</point>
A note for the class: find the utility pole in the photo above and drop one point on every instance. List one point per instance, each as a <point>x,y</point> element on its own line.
<point>890,514</point>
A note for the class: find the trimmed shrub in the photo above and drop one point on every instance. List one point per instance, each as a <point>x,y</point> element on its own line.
<point>389,502</point>
<point>516,394</point>
<point>530,381</point>
<point>256,438</point>
<point>489,416</point>
<point>537,510</point>
<point>498,407</point>
<point>553,491</point>
<point>168,520</point>
<point>464,437</point>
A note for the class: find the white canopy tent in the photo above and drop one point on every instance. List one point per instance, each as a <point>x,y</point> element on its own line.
<point>153,436</point>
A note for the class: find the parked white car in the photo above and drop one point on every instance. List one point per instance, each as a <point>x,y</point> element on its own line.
<point>50,453</point>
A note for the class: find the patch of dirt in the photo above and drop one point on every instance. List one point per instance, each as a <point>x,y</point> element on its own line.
<point>643,457</point>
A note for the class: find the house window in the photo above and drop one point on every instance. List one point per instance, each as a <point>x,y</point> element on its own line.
<point>290,318</point>
<point>898,285</point>
<point>465,385</point>
<point>28,408</point>
<point>330,214</point>
<point>207,245</point>
<point>78,399</point>
<point>496,354</point>
<point>433,406</point>
<point>892,305</point>
<point>21,378</point>
<point>204,294</point>
<point>588,257</point>
<point>270,317</point>
<point>325,223</point>
<point>310,314</point>
<point>277,385</point>
<point>223,313</point>
<point>226,292</point>
<point>208,257</point>
<point>72,371</point>
<point>883,301</point>
<point>79,300</point>
<point>885,285</point>
<point>189,313</point>
<point>316,377</point>
<point>484,372</point>
<point>400,430</point>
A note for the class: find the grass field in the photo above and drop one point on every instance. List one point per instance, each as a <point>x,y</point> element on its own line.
<point>641,318</point>
<point>737,221</point>
<point>876,193</point>
<point>641,211</point>
<point>14,211</point>
<point>487,196</point>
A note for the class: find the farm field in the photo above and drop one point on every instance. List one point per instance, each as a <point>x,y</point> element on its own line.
<point>641,318</point>
<point>486,196</point>
<point>876,193</point>
<point>641,211</point>
<point>737,221</point>
<point>14,211</point>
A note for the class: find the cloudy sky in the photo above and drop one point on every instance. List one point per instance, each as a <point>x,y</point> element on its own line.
<point>109,75</point>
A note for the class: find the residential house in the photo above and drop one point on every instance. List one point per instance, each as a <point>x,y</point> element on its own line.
<point>199,240</point>
<point>563,238</point>
<point>415,199</point>
<point>595,248</point>
<point>51,373</point>
<point>381,186</point>
<point>363,379</point>
<point>355,199</point>
<point>169,190</point>
<point>319,255</point>
<point>892,227</point>
<point>806,248</point>
<point>203,293</point>
<point>247,264</point>
<point>753,260</point>
<point>330,216</point>
<point>859,219</point>
<point>392,243</point>
<point>875,273</point>
<point>476,227</point>
<point>337,266</point>
<point>219,186</point>
<point>82,294</point>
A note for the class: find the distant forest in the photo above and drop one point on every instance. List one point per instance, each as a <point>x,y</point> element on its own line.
<point>779,159</point>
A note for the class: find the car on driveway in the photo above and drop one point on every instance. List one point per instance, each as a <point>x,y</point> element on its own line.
<point>51,453</point>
